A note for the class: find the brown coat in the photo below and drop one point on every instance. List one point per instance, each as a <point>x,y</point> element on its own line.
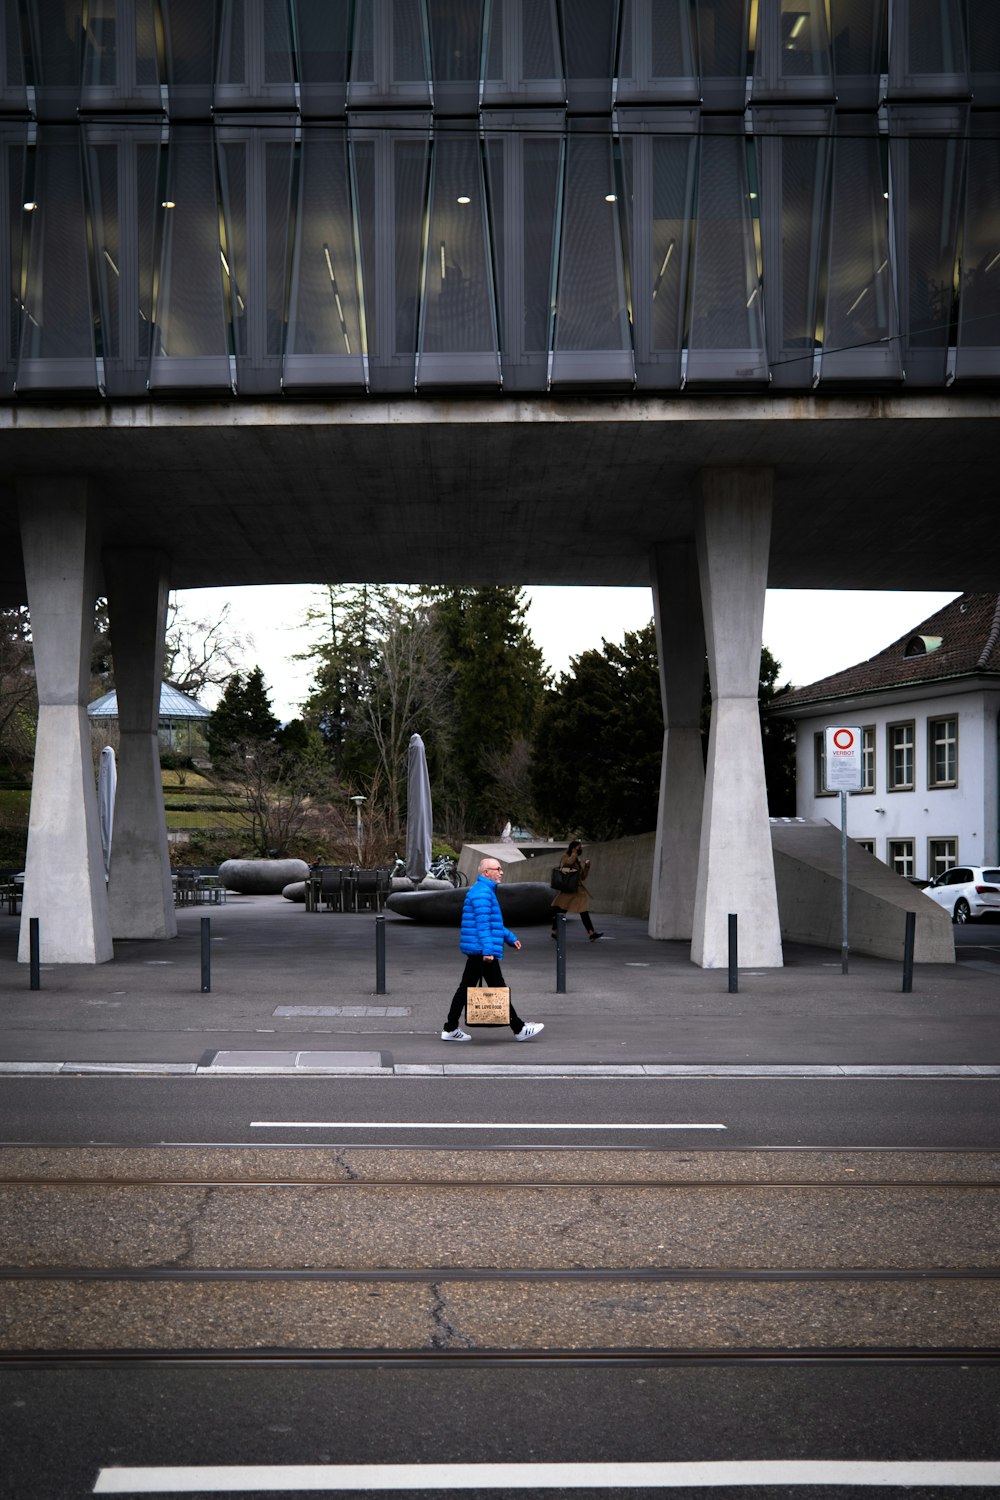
<point>578,900</point>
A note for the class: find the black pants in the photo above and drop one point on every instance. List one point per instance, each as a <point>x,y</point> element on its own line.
<point>584,918</point>
<point>476,968</point>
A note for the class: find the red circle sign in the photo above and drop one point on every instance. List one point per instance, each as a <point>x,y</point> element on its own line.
<point>843,738</point>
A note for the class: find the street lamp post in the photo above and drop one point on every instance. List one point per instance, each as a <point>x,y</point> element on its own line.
<point>358,800</point>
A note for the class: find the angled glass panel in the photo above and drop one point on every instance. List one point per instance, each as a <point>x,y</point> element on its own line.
<point>191,330</point>
<point>323,52</point>
<point>190,28</point>
<point>593,335</point>
<point>325,346</point>
<point>590,42</point>
<point>120,66</point>
<point>726,338</point>
<point>659,196</point>
<point>984,50</point>
<point>56,32</point>
<point>979,309</point>
<point>390,58</point>
<point>657,60</point>
<point>123,174</point>
<point>14,226</point>
<point>723,50</point>
<point>858,35</point>
<point>458,326</point>
<point>794,156</point>
<point>860,329</point>
<point>13,94</point>
<point>523,53</point>
<point>927,148</point>
<point>792,59</point>
<point>927,51</point>
<point>255,55</point>
<point>456,42</point>
<point>390,175</point>
<point>255,170</point>
<point>523,174</point>
<point>58,349</point>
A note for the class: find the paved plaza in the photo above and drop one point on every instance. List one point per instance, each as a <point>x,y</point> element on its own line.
<point>293,989</point>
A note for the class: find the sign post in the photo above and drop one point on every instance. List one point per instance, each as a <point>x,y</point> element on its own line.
<point>844,771</point>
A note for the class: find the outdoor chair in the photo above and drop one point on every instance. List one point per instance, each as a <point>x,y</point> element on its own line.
<point>334,888</point>
<point>367,890</point>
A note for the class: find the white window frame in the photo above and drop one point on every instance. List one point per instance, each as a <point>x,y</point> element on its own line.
<point>897,861</point>
<point>933,741</point>
<point>937,864</point>
<point>891,784</point>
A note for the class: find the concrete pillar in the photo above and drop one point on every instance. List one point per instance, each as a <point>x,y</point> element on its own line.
<point>735,863</point>
<point>64,874</point>
<point>680,645</point>
<point>139,890</point>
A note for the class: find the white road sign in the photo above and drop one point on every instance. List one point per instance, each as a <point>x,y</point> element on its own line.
<point>843,758</point>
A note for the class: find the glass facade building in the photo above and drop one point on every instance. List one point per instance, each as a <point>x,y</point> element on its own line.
<point>257,197</point>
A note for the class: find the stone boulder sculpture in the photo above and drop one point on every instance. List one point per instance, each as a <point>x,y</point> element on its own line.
<point>261,877</point>
<point>528,903</point>
<point>296,891</point>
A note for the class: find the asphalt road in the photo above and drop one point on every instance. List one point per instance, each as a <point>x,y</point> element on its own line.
<point>62,1428</point>
<point>478,1112</point>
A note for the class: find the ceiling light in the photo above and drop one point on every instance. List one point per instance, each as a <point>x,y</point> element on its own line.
<point>168,203</point>
<point>611,197</point>
<point>463,198</point>
<point>30,207</point>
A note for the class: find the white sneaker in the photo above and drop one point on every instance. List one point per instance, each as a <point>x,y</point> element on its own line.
<point>458,1035</point>
<point>528,1030</point>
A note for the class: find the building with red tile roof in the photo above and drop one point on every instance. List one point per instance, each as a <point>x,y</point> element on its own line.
<point>929,709</point>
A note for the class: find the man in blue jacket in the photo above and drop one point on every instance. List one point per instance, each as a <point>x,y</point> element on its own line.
<point>482,940</point>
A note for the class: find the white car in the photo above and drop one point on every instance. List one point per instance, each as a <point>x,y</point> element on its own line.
<point>967,891</point>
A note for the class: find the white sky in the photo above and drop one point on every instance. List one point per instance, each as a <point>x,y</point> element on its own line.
<point>812,632</point>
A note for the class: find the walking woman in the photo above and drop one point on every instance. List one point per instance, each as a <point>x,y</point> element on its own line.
<point>573,862</point>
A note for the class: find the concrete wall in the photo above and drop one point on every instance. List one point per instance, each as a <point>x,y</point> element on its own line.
<point>620,876</point>
<point>807,875</point>
<point>807,869</point>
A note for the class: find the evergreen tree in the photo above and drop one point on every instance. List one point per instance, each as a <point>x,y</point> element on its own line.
<point>597,751</point>
<point>498,684</point>
<point>243,716</point>
<point>599,742</point>
<point>778,737</point>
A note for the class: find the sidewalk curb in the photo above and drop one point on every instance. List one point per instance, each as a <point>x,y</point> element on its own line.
<point>764,1071</point>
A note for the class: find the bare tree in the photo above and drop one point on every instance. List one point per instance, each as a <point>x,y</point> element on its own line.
<point>407,693</point>
<point>272,793</point>
<point>200,653</point>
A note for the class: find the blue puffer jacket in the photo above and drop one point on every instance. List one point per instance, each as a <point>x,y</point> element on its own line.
<point>482,921</point>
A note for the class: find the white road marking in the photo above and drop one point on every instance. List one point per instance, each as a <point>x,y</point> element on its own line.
<point>222,1479</point>
<point>451,1125</point>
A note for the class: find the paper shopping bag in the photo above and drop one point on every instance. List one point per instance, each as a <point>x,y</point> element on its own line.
<point>487,1007</point>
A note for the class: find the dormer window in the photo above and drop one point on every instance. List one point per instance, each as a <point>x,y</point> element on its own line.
<point>922,645</point>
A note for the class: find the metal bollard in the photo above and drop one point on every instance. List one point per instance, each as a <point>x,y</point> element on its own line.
<point>206,955</point>
<point>380,955</point>
<point>33,953</point>
<point>561,955</point>
<point>908,941</point>
<point>734,968</point>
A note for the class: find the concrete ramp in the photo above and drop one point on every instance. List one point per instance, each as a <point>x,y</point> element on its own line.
<point>807,872</point>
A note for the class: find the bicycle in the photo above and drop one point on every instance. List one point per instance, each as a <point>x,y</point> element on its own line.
<point>446,868</point>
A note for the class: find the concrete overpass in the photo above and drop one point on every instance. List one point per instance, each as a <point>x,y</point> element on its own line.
<point>710,499</point>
